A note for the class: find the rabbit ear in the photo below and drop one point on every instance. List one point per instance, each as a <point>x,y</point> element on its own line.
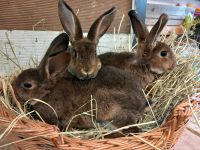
<point>139,28</point>
<point>156,30</point>
<point>101,25</point>
<point>69,21</point>
<point>58,63</point>
<point>56,57</point>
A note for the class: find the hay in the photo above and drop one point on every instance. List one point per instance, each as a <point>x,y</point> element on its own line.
<point>166,92</point>
<point>170,89</point>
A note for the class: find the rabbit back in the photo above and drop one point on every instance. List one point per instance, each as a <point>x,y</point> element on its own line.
<point>119,99</point>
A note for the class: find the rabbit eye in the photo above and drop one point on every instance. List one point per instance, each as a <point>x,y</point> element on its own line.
<point>27,85</point>
<point>163,53</point>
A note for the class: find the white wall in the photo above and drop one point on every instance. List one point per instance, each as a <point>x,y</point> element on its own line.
<point>30,46</point>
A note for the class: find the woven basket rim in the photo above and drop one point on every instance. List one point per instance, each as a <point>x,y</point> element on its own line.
<point>49,135</point>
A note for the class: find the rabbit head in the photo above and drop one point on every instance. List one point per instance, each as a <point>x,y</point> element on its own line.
<point>84,63</point>
<point>157,55</point>
<point>37,82</point>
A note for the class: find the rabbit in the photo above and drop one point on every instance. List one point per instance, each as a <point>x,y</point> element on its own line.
<point>151,58</point>
<point>40,75</point>
<point>118,95</point>
<point>84,63</point>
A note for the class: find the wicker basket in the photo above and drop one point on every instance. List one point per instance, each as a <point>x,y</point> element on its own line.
<point>25,133</point>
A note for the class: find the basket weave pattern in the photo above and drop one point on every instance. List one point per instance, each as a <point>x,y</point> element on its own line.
<point>30,134</point>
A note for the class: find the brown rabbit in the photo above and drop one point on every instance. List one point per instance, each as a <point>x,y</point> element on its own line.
<point>44,74</point>
<point>118,95</point>
<point>152,57</point>
<point>84,63</point>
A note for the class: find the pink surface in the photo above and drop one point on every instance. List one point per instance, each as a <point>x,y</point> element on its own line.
<point>190,139</point>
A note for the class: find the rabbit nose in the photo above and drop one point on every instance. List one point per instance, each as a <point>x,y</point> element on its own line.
<point>88,72</point>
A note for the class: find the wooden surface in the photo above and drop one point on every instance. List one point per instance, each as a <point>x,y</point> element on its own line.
<point>43,15</point>
<point>190,138</point>
<point>176,13</point>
